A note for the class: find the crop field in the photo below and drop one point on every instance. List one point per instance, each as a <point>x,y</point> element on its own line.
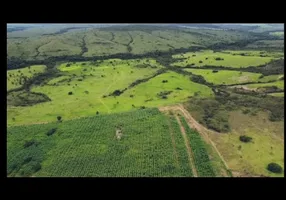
<point>90,147</point>
<point>14,77</point>
<point>203,58</point>
<point>230,77</point>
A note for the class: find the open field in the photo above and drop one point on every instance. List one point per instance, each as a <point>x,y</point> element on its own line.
<point>110,40</point>
<point>92,86</point>
<point>252,158</point>
<point>14,77</point>
<point>279,44</point>
<point>133,144</point>
<point>229,77</point>
<point>278,33</point>
<point>203,58</point>
<point>279,84</point>
<point>278,94</point>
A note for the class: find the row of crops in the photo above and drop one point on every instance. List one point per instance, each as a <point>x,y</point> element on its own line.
<point>88,147</point>
<point>201,158</point>
<point>180,149</point>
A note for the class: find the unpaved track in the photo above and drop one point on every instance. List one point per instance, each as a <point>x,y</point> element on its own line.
<point>195,125</point>
<point>189,150</point>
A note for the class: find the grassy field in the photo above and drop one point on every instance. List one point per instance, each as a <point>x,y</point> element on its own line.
<point>131,144</point>
<point>229,77</point>
<point>279,44</point>
<point>277,33</point>
<point>34,45</point>
<point>229,60</point>
<point>279,84</point>
<point>274,54</point>
<point>90,82</point>
<point>277,94</point>
<point>252,158</point>
<point>14,77</point>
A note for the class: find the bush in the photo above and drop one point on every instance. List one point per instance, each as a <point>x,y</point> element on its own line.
<point>59,118</point>
<point>97,112</point>
<point>86,92</point>
<point>51,132</point>
<point>142,107</point>
<point>200,61</point>
<point>274,167</point>
<point>178,88</point>
<point>218,58</point>
<point>131,95</point>
<point>165,81</point>
<point>244,138</point>
<point>215,71</point>
<point>68,65</point>
<point>70,93</point>
<point>80,79</point>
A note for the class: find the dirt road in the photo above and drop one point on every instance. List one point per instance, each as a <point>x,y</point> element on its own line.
<point>195,125</point>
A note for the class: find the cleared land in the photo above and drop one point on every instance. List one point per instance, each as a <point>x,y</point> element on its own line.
<point>211,58</point>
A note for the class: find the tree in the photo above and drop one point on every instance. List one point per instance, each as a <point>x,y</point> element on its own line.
<point>274,167</point>
<point>59,118</point>
<point>244,138</point>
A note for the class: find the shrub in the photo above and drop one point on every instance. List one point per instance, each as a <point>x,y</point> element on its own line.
<point>80,79</point>
<point>165,81</point>
<point>86,92</point>
<point>244,138</point>
<point>261,76</point>
<point>194,55</point>
<point>70,93</point>
<point>97,112</point>
<point>51,131</point>
<point>142,107</point>
<point>178,88</point>
<point>218,58</point>
<point>200,61</point>
<point>215,71</point>
<point>116,93</point>
<point>131,95</point>
<point>68,65</point>
<point>274,167</point>
<point>59,118</point>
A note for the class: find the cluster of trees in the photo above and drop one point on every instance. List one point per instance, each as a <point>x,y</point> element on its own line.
<point>164,94</point>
